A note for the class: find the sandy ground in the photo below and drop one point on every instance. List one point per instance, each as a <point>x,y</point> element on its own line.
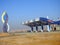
<point>41,38</point>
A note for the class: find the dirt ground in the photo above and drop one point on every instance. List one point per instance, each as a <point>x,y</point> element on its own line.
<point>41,38</point>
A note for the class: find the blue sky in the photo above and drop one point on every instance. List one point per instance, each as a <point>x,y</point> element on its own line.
<point>22,10</point>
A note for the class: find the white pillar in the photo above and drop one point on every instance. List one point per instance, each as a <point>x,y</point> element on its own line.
<point>41,28</point>
<point>48,28</point>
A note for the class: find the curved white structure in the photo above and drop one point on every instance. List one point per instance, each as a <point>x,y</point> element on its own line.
<point>5,22</point>
<point>3,17</point>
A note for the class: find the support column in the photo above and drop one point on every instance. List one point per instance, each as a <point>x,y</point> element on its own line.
<point>31,28</point>
<point>36,28</point>
<point>48,28</point>
<point>42,28</point>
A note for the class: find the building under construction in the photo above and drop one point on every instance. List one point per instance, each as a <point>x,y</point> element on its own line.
<point>49,24</point>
